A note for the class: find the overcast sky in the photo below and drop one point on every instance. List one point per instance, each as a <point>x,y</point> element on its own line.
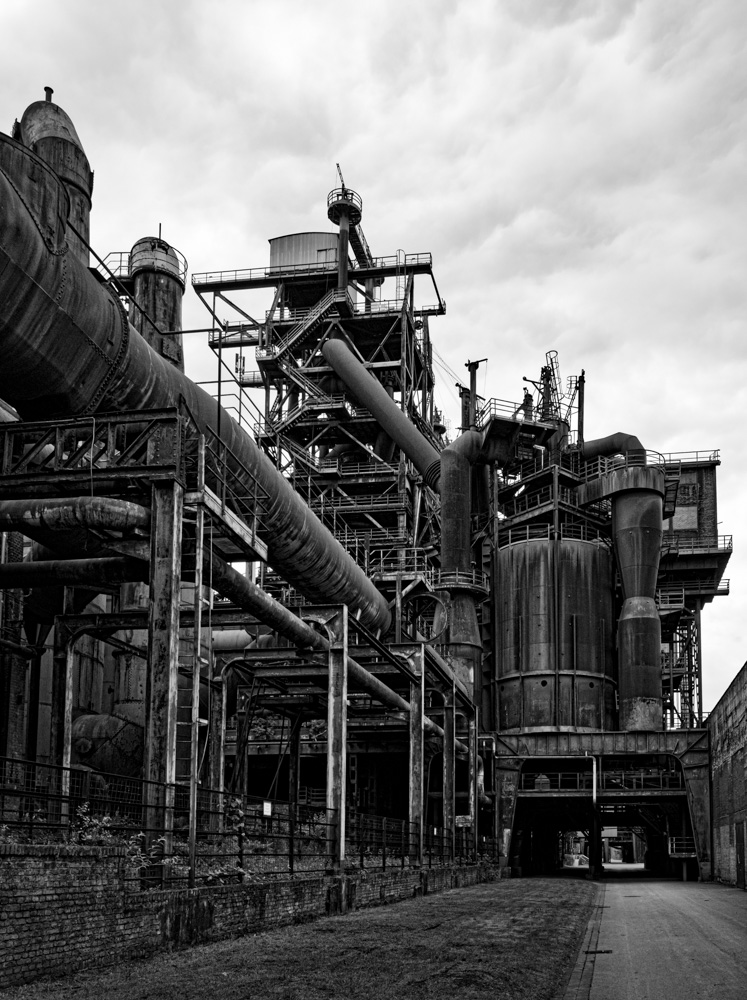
<point>576,168</point>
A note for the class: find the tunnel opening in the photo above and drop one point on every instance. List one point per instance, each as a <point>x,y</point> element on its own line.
<point>629,817</point>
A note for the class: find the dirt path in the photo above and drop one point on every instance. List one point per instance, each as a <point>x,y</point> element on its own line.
<point>514,939</point>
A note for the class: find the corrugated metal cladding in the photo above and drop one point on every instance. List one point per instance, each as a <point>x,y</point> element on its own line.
<point>304,248</point>
<point>554,642</point>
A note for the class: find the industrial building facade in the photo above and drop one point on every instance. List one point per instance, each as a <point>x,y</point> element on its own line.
<point>295,587</point>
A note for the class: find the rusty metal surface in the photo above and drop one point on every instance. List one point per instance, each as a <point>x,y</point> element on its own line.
<point>637,535</point>
<point>555,624</point>
<point>67,348</point>
<point>559,744</point>
<point>371,393</point>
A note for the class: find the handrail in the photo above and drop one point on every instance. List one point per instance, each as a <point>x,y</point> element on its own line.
<point>501,408</point>
<point>534,532</point>
<point>282,270</point>
<point>121,261</point>
<point>681,846</point>
<point>709,455</point>
<point>473,580</point>
<point>344,194</point>
<point>600,466</point>
<point>681,544</point>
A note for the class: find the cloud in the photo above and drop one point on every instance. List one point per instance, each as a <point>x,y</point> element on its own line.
<point>576,169</point>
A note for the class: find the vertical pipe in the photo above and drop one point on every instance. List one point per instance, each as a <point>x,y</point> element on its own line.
<point>637,532</point>
<point>342,247</point>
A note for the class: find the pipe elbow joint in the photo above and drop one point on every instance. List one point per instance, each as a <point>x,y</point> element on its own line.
<point>613,444</point>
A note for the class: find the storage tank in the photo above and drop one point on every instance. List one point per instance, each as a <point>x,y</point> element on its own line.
<point>554,635</point>
<point>304,248</point>
<point>313,252</point>
<point>47,130</point>
<point>159,273</point>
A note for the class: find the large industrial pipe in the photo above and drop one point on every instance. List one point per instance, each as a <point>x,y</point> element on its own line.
<point>269,611</point>
<point>637,535</point>
<point>613,444</point>
<point>47,130</point>
<point>465,642</point>
<point>449,472</point>
<point>371,393</point>
<point>66,513</point>
<point>72,513</point>
<point>637,531</point>
<point>66,349</point>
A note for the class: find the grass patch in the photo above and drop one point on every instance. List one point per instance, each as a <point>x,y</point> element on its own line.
<point>513,939</point>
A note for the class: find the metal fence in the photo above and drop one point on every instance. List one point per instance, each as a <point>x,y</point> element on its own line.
<point>238,838</point>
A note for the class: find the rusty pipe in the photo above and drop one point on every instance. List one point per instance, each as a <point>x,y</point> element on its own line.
<point>72,513</point>
<point>269,611</point>
<point>637,531</point>
<point>370,393</point>
<point>66,348</point>
<point>613,444</point>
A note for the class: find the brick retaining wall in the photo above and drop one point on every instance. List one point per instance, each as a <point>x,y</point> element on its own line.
<point>728,732</point>
<point>65,908</point>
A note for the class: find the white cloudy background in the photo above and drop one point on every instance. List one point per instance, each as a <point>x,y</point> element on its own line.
<point>577,168</point>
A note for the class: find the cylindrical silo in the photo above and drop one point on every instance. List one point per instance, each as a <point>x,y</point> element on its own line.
<point>554,622</point>
<point>316,252</point>
<point>158,274</point>
<point>48,131</point>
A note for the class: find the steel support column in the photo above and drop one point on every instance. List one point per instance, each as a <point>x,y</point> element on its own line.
<point>163,659</point>
<point>417,702</point>
<point>294,785</point>
<point>197,660</point>
<point>449,767</point>
<point>337,725</point>
<point>472,793</point>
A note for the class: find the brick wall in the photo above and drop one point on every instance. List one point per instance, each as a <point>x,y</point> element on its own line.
<point>64,908</point>
<point>728,731</point>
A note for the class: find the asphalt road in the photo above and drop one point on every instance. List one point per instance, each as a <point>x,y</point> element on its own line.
<point>663,940</point>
